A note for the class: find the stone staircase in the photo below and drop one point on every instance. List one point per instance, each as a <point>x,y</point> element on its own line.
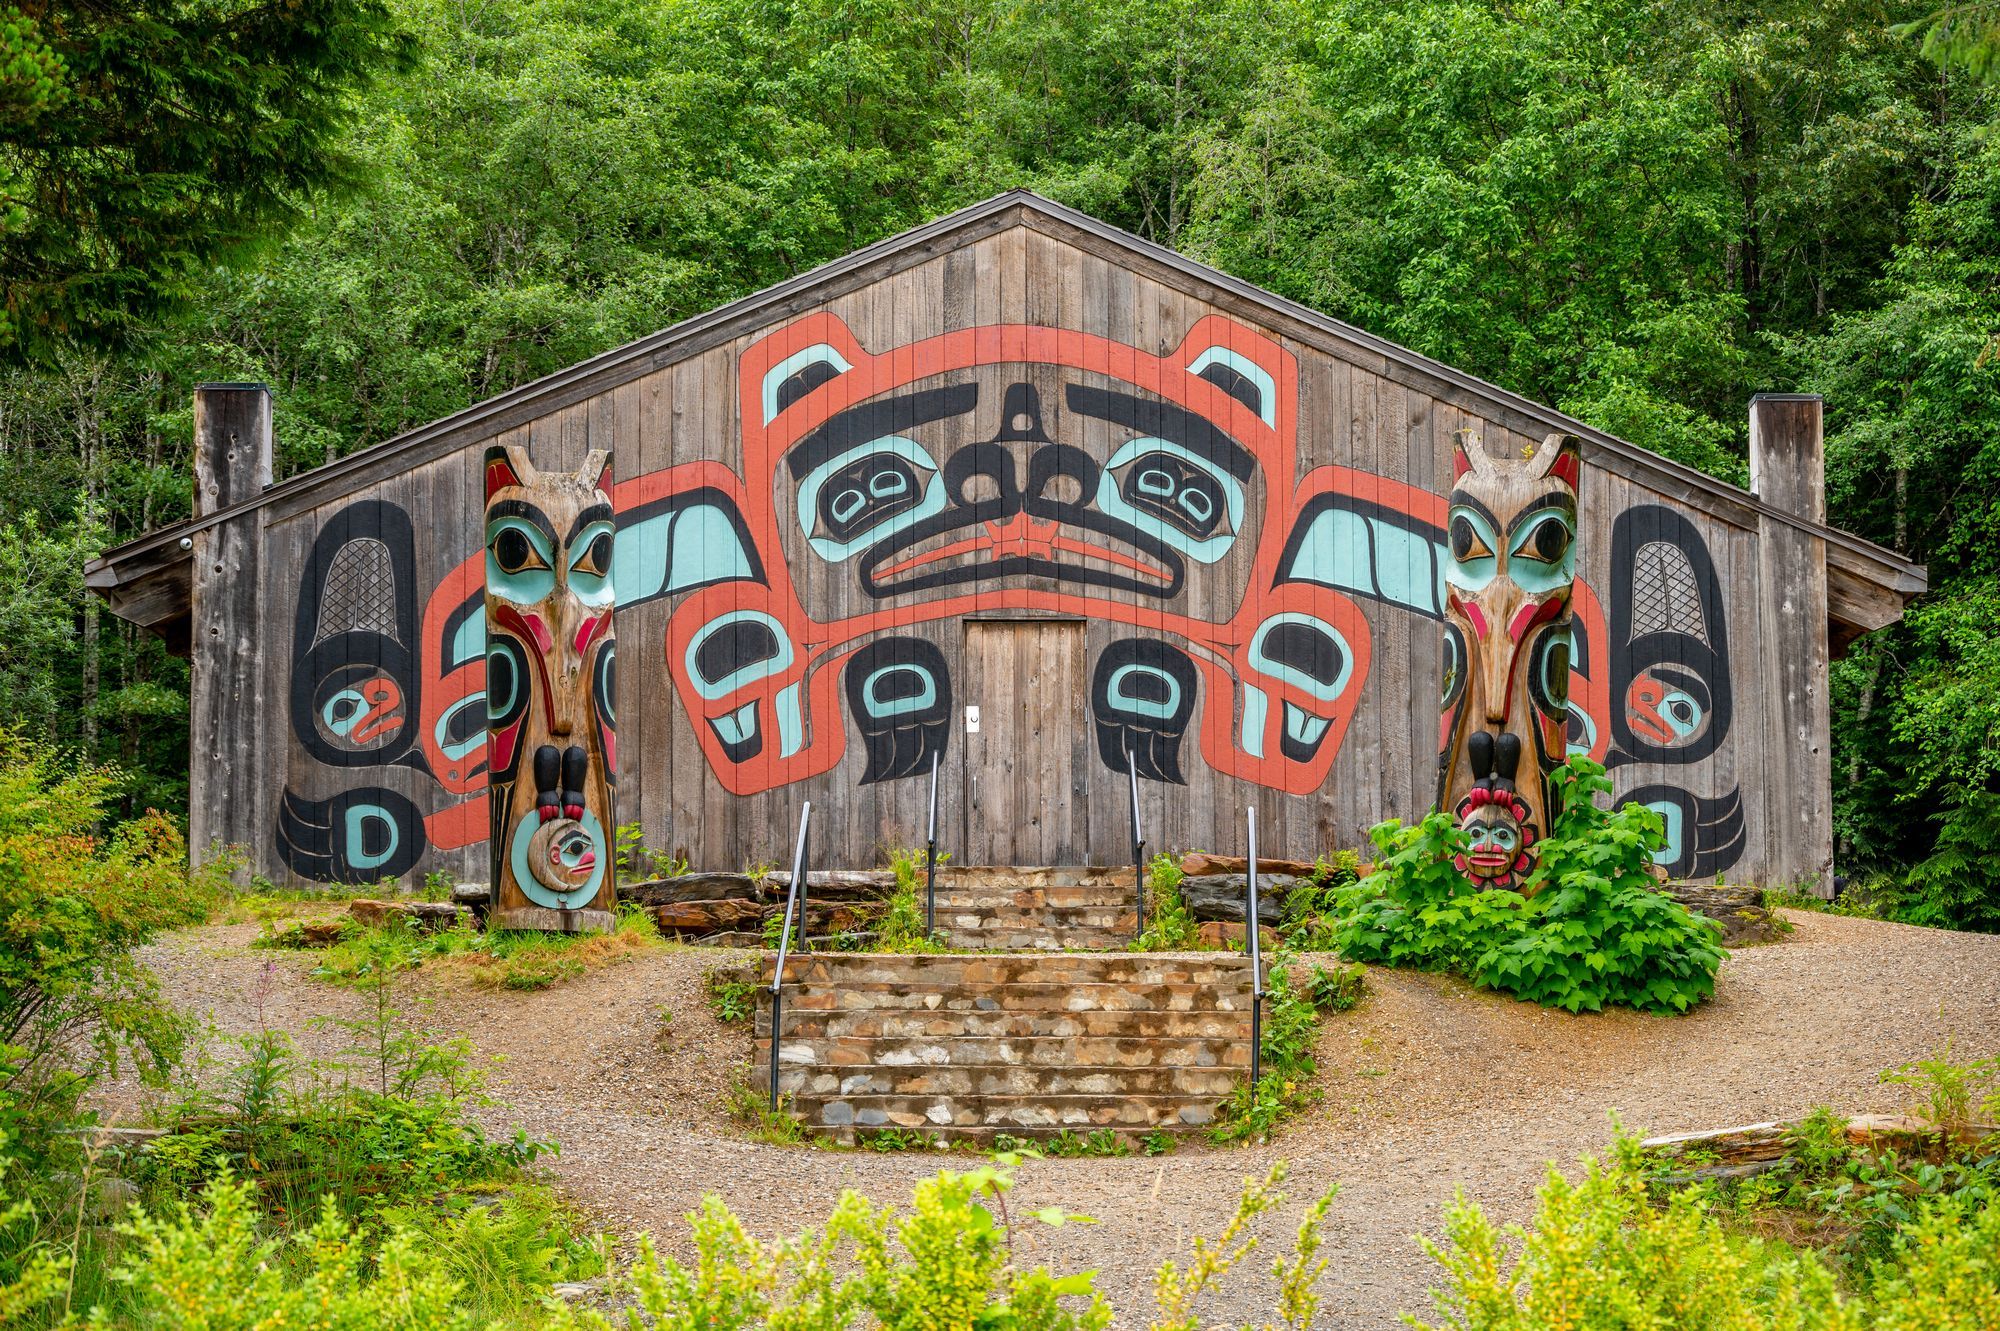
<point>1029,1045</point>
<point>1050,910</point>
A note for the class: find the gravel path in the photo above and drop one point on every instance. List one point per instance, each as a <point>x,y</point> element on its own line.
<point>1430,1086</point>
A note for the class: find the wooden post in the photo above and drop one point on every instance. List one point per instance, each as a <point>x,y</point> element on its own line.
<point>227,803</point>
<point>1788,472</point>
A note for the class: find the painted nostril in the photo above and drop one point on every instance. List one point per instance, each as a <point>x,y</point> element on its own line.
<point>1023,422</point>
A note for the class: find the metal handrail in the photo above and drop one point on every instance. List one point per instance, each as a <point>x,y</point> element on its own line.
<point>794,896</point>
<point>1250,931</point>
<point>1138,840</point>
<point>930,858</point>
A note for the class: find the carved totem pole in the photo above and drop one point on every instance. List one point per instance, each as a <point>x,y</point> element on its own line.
<point>1507,644</point>
<point>550,744</point>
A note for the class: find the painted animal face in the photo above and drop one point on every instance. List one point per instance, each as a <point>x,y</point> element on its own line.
<point>549,681</point>
<point>1000,468</point>
<point>1509,641</point>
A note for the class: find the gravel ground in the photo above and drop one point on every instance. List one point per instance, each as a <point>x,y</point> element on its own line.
<point>1430,1086</point>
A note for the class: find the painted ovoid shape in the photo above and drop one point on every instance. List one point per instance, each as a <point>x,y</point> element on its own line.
<point>550,736</point>
<point>1511,533</point>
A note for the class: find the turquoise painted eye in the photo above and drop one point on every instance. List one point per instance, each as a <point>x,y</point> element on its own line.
<point>1542,556</point>
<point>590,563</point>
<point>520,564</point>
<point>867,495</point>
<point>1473,546</point>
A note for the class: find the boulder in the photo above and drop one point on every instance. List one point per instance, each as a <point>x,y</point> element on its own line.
<point>708,917</point>
<point>1220,896</point>
<point>1200,865</point>
<point>1222,935</point>
<point>1739,910</point>
<point>471,894</point>
<point>424,915</point>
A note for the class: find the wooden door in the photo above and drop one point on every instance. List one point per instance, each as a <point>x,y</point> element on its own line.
<point>1025,754</point>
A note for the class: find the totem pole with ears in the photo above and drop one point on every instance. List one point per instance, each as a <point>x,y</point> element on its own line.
<point>1507,646</point>
<point>551,749</point>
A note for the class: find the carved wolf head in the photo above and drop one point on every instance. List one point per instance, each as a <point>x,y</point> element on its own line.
<point>549,661</point>
<point>1508,641</point>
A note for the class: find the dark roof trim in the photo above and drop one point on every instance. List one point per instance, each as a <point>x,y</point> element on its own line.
<point>691,336</point>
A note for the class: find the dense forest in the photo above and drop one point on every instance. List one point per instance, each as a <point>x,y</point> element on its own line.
<point>1637,210</point>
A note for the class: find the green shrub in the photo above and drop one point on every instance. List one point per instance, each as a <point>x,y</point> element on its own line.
<point>1587,930</point>
<point>1601,1253</point>
<point>946,1265</point>
<point>74,904</point>
<point>212,1267</point>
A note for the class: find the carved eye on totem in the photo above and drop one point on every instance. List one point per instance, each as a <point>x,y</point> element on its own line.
<point>1541,558</point>
<point>1473,546</point>
<point>590,563</point>
<point>520,559</point>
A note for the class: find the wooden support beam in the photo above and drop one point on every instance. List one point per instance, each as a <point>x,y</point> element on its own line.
<point>227,802</point>
<point>1788,472</point>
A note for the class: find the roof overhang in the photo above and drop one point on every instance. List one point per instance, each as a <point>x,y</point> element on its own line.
<point>148,581</point>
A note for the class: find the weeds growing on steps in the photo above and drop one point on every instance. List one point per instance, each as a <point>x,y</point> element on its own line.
<point>1295,1002</point>
<point>731,998</point>
<point>1170,925</point>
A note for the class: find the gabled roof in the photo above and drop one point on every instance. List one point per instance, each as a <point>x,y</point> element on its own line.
<point>147,580</point>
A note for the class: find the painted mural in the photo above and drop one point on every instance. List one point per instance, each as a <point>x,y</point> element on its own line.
<point>551,728</point>
<point>1000,468</point>
<point>1507,640</point>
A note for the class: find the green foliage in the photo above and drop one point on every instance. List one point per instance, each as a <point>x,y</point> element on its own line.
<point>1293,1009</point>
<point>1101,1142</point>
<point>636,862</point>
<point>1950,1093</point>
<point>1588,929</point>
<point>210,1266</point>
<point>732,999</point>
<point>150,140</point>
<point>901,926</point>
<point>74,904</point>
<point>1170,925</point>
<point>518,959</point>
<point>1179,1288</point>
<point>945,1265</point>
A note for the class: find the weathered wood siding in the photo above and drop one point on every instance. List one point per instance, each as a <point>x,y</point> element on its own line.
<point>1339,516</point>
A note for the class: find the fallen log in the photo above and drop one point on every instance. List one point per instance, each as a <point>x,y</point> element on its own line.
<point>1753,1148</point>
<point>690,887</point>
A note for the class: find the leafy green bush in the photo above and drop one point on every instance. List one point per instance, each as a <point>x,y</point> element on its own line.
<point>1587,929</point>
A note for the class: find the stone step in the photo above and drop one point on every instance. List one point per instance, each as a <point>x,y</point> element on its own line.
<point>1037,1051</point>
<point>975,971</point>
<point>1226,996</point>
<point>1002,896</point>
<point>1024,1082</point>
<point>1109,916</point>
<point>920,1024</point>
<point>1030,938</point>
<point>991,1114</point>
